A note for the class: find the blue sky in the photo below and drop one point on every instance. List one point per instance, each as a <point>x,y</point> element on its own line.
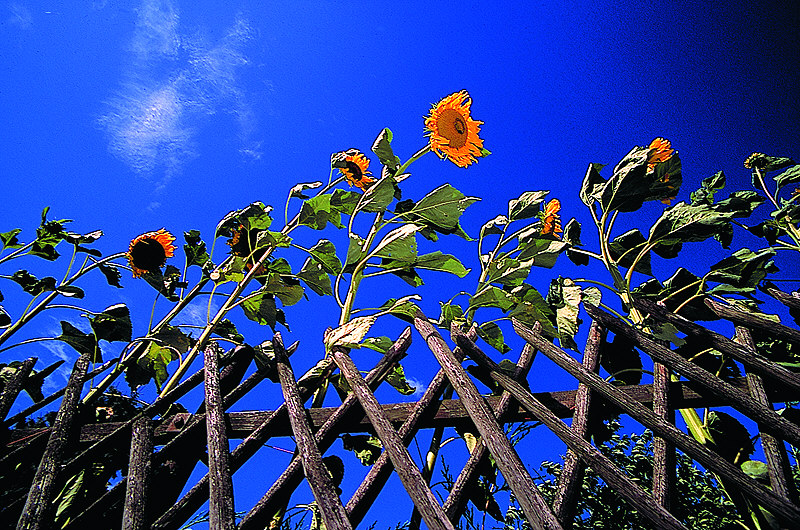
<point>132,116</point>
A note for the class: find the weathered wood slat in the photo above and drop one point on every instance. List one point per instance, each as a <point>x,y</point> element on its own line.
<point>135,515</point>
<point>571,479</point>
<point>690,446</point>
<point>282,488</point>
<point>751,320</point>
<point>741,401</point>
<point>601,464</point>
<point>456,501</point>
<point>754,362</point>
<point>40,496</point>
<point>407,470</point>
<point>780,475</point>
<point>221,513</point>
<point>790,300</point>
<point>13,387</point>
<point>376,478</point>
<point>259,432</point>
<point>328,502</point>
<point>663,451</point>
<point>508,461</point>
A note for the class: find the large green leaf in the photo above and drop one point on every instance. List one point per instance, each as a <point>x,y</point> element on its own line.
<point>316,277</point>
<point>33,285</point>
<point>325,253</point>
<point>254,216</point>
<point>82,342</point>
<point>440,210</point>
<point>626,247</point>
<point>790,176</point>
<point>491,296</point>
<point>709,186</point>
<point>508,272</point>
<point>317,211</point>
<point>544,252</point>
<point>740,203</point>
<point>226,329</point>
<point>675,292</point>
<point>261,308</point>
<point>166,282</point>
<point>9,239</point>
<point>526,205</point>
<point>399,244</point>
<point>438,261</point>
<point>287,289</point>
<point>592,184</point>
<point>744,269</point>
<point>48,236</point>
<point>151,364</point>
<point>531,307</point>
<point>112,275</point>
<point>684,222</point>
<point>113,324</point>
<point>397,379</point>
<point>383,148</point>
<point>344,201</point>
<point>379,195</point>
<point>493,335</point>
<point>565,298</point>
<point>449,313</point>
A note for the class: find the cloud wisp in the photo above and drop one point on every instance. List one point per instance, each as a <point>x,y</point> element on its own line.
<point>173,83</point>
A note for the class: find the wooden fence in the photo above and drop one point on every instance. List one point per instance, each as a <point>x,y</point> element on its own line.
<point>163,448</point>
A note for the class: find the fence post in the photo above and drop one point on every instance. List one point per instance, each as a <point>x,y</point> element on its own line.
<point>135,515</point>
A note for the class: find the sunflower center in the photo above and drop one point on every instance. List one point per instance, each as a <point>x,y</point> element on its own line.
<point>355,171</point>
<point>148,255</point>
<point>453,127</point>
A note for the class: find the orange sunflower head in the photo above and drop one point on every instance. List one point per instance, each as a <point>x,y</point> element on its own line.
<point>660,151</point>
<point>452,131</point>
<point>551,220</point>
<point>149,252</point>
<point>354,169</point>
<point>756,161</point>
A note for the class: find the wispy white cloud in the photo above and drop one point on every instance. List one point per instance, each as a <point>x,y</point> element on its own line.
<point>174,82</point>
<point>20,16</point>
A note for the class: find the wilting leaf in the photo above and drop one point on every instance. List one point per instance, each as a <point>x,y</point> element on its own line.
<point>226,329</point>
<point>33,285</point>
<point>297,191</point>
<point>709,186</point>
<point>565,297</point>
<point>383,148</point>
<point>165,283</point>
<point>367,448</point>
<point>592,184</point>
<point>379,195</point>
<point>526,205</point>
<point>740,203</point>
<point>113,324</point>
<point>572,233</point>
<point>437,261</point>
<point>195,250</point>
<point>350,334</point>
<point>82,342</point>
<point>493,226</point>
<point>151,364</point>
<point>112,275</point>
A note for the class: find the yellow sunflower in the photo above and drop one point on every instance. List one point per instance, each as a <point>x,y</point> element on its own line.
<point>660,151</point>
<point>149,252</point>
<point>453,133</point>
<point>551,220</point>
<point>355,170</point>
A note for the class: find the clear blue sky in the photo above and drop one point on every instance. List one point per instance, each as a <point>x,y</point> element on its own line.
<point>135,115</point>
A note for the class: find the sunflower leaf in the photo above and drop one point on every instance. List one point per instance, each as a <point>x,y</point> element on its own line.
<point>261,308</point>
<point>195,249</point>
<point>316,212</point>
<point>743,270</point>
<point>491,296</point>
<point>543,252</point>
<point>526,205</point>
<point>316,277</point>
<point>33,285</point>
<point>226,329</point>
<point>113,324</point>
<point>493,335</point>
<point>5,318</point>
<point>790,176</point>
<point>9,239</point>
<point>344,201</point>
<point>592,184</point>
<point>383,148</point>
<point>626,247</point>
<point>378,196</point>
<point>531,307</point>
<point>565,297</point>
<point>399,244</point>
<point>397,379</point>
<point>297,191</point>
<point>112,275</point>
<point>441,209</point>
<point>709,186</point>
<point>508,272</point>
<point>324,252</point>
<point>82,342</point>
<point>349,334</point>
<point>152,364</point>
<point>367,448</point>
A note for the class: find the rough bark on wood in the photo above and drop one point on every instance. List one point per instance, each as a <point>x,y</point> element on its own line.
<point>570,480</point>
<point>13,387</point>
<point>666,430</point>
<point>601,464</point>
<point>40,495</point>
<point>221,513</point>
<point>328,502</point>
<point>282,488</point>
<point>508,461</point>
<point>407,470</point>
<point>135,515</point>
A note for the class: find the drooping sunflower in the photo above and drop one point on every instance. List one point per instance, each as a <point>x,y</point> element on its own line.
<point>149,252</point>
<point>452,131</point>
<point>355,169</point>
<point>660,151</point>
<point>551,220</point>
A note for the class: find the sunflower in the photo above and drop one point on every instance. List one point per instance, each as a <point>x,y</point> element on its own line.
<point>453,133</point>
<point>756,161</point>
<point>354,169</point>
<point>551,221</point>
<point>149,252</point>
<point>660,151</point>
